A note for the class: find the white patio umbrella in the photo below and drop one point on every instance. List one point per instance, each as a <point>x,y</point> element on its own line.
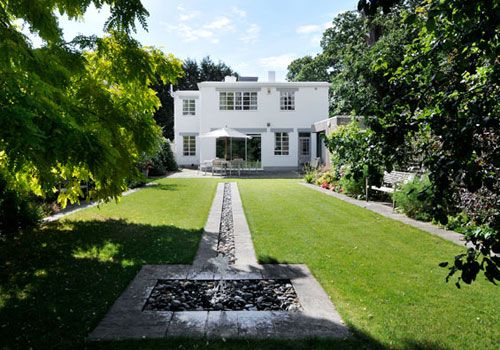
<point>226,133</point>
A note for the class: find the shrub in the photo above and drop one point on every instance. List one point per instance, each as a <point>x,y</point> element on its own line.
<point>309,178</point>
<point>164,161</point>
<point>415,199</point>
<point>328,178</point>
<point>17,210</point>
<point>352,186</point>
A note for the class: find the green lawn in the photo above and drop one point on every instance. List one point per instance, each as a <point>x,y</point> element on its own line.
<point>57,283</point>
<point>382,275</point>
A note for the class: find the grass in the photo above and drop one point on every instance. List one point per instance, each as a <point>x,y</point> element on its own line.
<point>57,283</point>
<point>382,275</point>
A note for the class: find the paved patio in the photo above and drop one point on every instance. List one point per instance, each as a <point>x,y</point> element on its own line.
<point>259,174</point>
<point>127,319</point>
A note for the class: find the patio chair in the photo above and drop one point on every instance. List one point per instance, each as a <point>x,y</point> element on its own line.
<point>218,165</point>
<point>236,164</point>
<point>205,166</point>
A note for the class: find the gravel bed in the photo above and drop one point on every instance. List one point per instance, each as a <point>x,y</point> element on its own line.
<point>225,245</point>
<point>203,295</point>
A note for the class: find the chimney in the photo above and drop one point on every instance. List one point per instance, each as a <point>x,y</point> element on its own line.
<point>271,76</point>
<point>230,79</point>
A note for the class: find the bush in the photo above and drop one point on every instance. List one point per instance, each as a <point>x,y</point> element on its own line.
<point>328,178</point>
<point>415,199</point>
<point>309,178</point>
<point>352,186</point>
<point>17,211</point>
<point>164,161</point>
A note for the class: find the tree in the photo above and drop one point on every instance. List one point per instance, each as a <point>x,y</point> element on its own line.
<point>77,111</point>
<point>206,70</point>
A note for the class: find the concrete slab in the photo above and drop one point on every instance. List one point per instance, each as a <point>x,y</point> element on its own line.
<point>222,324</point>
<point>255,324</point>
<point>188,324</point>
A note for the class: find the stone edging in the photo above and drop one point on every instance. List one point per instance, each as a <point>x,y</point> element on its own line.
<point>128,319</point>
<point>386,211</point>
<point>64,213</point>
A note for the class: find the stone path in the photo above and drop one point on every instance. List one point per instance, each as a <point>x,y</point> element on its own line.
<point>74,208</point>
<point>128,319</point>
<point>387,211</point>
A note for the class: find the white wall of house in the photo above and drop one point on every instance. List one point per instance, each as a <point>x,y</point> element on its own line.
<point>311,105</point>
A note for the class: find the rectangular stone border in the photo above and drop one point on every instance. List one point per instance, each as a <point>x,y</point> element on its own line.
<point>126,319</point>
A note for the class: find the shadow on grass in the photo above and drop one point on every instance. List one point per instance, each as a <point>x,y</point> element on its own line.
<point>56,283</point>
<point>266,259</point>
<point>167,187</point>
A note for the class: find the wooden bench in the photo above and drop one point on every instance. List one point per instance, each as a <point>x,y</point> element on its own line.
<point>390,182</point>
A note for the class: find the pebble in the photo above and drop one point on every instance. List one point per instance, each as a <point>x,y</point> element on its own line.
<point>170,295</point>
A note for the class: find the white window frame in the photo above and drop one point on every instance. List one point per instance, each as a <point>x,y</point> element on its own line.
<point>189,146</point>
<point>287,100</point>
<point>237,101</point>
<point>281,144</point>
<point>188,107</point>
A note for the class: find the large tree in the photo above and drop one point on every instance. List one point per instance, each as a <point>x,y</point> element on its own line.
<point>80,110</point>
<point>194,72</point>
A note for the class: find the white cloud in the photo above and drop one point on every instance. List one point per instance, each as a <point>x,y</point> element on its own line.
<point>251,34</point>
<point>312,28</point>
<point>186,15</point>
<point>239,12</point>
<point>188,33</point>
<point>277,62</point>
<point>222,23</point>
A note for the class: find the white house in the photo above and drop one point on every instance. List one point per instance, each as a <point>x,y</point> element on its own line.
<point>279,116</point>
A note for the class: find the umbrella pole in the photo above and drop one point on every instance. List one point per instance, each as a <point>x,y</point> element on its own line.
<point>225,149</point>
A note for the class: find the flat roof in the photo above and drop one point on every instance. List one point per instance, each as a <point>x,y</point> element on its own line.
<point>253,84</point>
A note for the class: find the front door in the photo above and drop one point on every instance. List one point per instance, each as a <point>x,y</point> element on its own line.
<point>304,148</point>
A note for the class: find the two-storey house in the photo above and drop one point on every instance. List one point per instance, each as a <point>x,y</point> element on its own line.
<point>279,117</point>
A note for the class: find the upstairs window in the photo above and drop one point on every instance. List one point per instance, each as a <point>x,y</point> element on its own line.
<point>188,107</point>
<point>281,144</point>
<point>189,146</point>
<point>237,101</point>
<point>287,100</point>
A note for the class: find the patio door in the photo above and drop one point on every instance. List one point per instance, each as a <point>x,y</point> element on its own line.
<point>246,149</point>
<point>304,148</point>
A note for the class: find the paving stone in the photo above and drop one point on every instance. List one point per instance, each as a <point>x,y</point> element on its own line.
<point>255,324</point>
<point>121,325</point>
<point>222,324</point>
<point>188,324</point>
<point>319,317</point>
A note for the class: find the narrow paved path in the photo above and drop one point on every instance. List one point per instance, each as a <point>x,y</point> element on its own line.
<point>128,318</point>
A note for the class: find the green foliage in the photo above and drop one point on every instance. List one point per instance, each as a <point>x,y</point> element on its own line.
<point>77,111</point>
<point>164,161</point>
<point>415,198</point>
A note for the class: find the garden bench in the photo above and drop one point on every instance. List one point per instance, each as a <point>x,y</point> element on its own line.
<point>390,182</point>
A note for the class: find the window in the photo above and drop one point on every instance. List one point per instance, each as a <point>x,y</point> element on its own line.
<point>230,101</point>
<point>305,146</point>
<point>287,100</point>
<point>189,146</point>
<point>281,144</point>
<point>188,107</point>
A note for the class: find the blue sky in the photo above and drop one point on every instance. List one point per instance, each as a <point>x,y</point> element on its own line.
<point>250,36</point>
